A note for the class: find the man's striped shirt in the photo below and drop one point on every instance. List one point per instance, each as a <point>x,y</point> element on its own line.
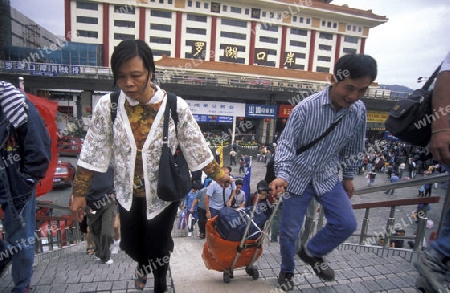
<point>342,148</point>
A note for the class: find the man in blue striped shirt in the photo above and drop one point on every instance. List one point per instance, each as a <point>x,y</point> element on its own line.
<point>315,172</point>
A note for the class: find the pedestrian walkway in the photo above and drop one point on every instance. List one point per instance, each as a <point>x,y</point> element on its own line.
<point>358,268</point>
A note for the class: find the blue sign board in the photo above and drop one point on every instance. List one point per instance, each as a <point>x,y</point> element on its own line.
<point>261,111</point>
<point>208,118</point>
<point>46,69</point>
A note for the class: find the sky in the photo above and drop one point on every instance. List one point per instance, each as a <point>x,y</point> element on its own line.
<point>410,45</point>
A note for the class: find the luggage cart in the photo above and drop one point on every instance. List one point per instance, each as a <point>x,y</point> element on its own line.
<point>225,256</point>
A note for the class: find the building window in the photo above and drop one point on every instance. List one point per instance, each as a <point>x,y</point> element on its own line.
<point>123,37</point>
<point>297,44</point>
<point>124,23</point>
<point>159,13</point>
<point>294,19</point>
<point>87,19</point>
<point>324,23</point>
<point>235,9</point>
<point>353,40</point>
<point>161,53</point>
<point>161,1</point>
<point>170,2</point>
<point>324,58</point>
<point>269,27</point>
<point>359,29</point>
<point>349,27</point>
<point>308,20</point>
<point>325,36</point>
<point>206,5</point>
<point>329,24</point>
<point>268,40</point>
<point>87,34</point>
<point>225,8</point>
<point>349,50</point>
<point>272,15</point>
<point>161,27</point>
<point>247,11</point>
<point>189,3</point>
<point>87,5</point>
<point>233,35</point>
<point>322,69</point>
<point>126,9</point>
<point>264,14</point>
<point>324,47</point>
<point>334,25</point>
<point>298,32</point>
<point>197,31</point>
<point>160,40</point>
<point>354,28</point>
<point>197,4</point>
<point>199,18</point>
<point>234,22</point>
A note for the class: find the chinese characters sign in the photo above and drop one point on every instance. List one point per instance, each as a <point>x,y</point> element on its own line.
<point>260,111</point>
<point>230,53</point>
<point>199,50</point>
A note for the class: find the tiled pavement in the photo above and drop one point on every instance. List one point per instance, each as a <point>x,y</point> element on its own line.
<point>358,269</point>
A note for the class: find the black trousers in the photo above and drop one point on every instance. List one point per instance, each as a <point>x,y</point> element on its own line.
<point>148,242</point>
<point>201,220</point>
<point>101,224</point>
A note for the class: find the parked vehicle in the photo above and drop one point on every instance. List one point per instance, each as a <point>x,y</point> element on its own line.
<point>64,174</point>
<point>69,145</point>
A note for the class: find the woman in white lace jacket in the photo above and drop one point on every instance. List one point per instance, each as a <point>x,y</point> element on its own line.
<point>134,144</point>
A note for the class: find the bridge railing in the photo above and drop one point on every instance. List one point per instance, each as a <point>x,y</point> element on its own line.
<point>52,232</point>
<point>314,222</point>
<point>184,76</point>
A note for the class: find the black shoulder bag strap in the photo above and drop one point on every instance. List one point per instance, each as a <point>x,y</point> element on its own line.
<point>114,97</point>
<point>172,107</point>
<point>309,145</point>
<point>431,79</point>
<point>223,194</point>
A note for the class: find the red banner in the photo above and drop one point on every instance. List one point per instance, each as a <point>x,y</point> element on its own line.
<point>47,109</point>
<point>284,111</point>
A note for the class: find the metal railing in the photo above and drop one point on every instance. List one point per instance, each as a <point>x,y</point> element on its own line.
<point>185,76</point>
<point>52,232</point>
<point>314,223</point>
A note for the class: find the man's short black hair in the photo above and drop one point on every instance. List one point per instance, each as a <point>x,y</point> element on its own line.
<point>239,182</point>
<point>355,66</point>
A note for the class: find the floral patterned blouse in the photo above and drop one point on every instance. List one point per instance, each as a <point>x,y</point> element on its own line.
<point>134,144</point>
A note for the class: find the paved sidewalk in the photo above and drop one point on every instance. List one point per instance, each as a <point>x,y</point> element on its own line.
<point>358,269</point>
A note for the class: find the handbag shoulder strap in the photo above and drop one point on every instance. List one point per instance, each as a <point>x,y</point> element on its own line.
<point>114,97</point>
<point>309,145</point>
<point>171,108</point>
<point>431,79</point>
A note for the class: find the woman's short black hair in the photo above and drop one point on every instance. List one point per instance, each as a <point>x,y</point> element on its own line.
<point>355,66</point>
<point>128,49</point>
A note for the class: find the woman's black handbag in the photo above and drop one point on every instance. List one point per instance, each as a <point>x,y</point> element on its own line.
<point>410,119</point>
<point>174,178</point>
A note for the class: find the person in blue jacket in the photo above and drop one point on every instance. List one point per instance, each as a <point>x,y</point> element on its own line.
<point>25,155</point>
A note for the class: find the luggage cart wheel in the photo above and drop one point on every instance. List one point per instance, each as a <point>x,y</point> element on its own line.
<point>226,278</point>
<point>255,275</point>
<point>249,271</point>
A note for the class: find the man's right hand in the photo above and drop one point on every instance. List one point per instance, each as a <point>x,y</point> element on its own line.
<point>79,208</point>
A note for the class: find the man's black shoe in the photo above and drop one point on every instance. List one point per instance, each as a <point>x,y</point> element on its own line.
<point>320,267</point>
<point>285,280</point>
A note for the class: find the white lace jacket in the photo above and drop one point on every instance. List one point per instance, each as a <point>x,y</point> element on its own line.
<point>103,144</point>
